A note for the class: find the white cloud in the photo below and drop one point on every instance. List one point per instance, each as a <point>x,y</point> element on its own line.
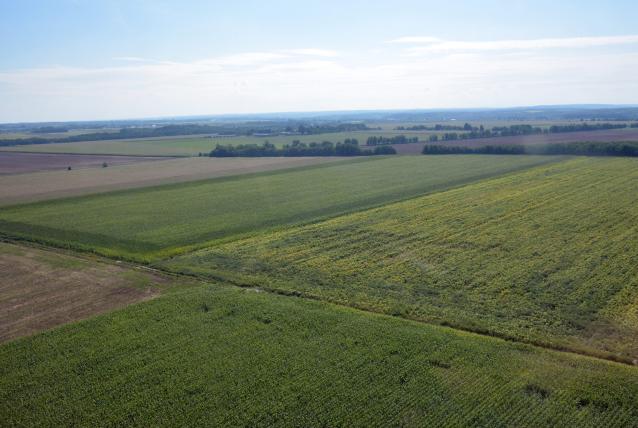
<point>415,40</point>
<point>246,59</point>
<point>313,52</point>
<point>133,59</point>
<point>431,44</point>
<point>290,80</point>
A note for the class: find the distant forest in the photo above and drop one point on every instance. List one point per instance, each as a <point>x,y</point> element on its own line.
<point>629,149</point>
<point>397,139</point>
<point>350,147</point>
<point>472,132</point>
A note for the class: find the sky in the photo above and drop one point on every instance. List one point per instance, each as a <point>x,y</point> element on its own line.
<point>109,59</point>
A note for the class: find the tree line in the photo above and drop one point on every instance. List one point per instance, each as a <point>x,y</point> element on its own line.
<point>473,132</point>
<point>627,149</point>
<point>577,127</point>
<point>436,127</point>
<point>511,149</point>
<point>349,147</point>
<point>478,131</point>
<point>49,130</point>
<point>396,139</point>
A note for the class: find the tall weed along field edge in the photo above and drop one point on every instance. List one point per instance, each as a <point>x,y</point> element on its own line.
<point>158,222</point>
<point>547,255</point>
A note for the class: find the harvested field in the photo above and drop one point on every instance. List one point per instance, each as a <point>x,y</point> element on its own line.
<point>19,163</point>
<point>41,289</point>
<point>566,137</point>
<point>56,184</point>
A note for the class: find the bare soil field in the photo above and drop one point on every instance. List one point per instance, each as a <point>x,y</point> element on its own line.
<point>566,137</point>
<point>20,163</point>
<point>41,289</point>
<point>56,184</point>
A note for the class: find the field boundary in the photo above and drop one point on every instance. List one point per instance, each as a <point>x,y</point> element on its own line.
<point>202,181</point>
<point>453,185</point>
<point>599,355</point>
<point>170,252</point>
<point>230,278</point>
<point>224,279</point>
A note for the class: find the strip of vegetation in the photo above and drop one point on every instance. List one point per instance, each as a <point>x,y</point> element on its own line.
<point>436,127</point>
<point>350,147</point>
<point>219,356</point>
<point>433,149</point>
<point>49,130</point>
<point>397,139</point>
<point>624,149</point>
<point>584,126</point>
<point>473,132</point>
<point>512,130</point>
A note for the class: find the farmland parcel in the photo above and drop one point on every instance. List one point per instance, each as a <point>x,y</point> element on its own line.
<point>152,223</point>
<point>20,163</point>
<point>219,356</point>
<point>41,289</point>
<point>545,255</point>
<point>535,249</point>
<point>20,188</point>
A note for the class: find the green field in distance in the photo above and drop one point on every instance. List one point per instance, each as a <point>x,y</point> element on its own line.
<point>192,146</point>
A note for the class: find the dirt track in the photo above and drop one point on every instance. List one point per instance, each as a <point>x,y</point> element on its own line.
<point>566,137</point>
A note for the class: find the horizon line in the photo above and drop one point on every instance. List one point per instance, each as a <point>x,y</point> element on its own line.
<point>324,112</point>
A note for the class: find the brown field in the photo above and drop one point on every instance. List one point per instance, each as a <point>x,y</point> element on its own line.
<point>55,184</point>
<point>20,163</point>
<point>41,289</point>
<point>566,137</point>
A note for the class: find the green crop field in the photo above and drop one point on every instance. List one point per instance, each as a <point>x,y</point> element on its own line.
<point>192,146</point>
<point>536,250</point>
<point>218,356</point>
<point>547,255</point>
<point>157,222</point>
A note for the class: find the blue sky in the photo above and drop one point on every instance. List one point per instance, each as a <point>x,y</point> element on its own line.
<point>81,59</point>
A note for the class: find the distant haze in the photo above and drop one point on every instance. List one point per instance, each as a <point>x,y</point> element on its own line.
<point>72,60</point>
